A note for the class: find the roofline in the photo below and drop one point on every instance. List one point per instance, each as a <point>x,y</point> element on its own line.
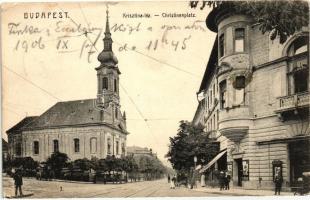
<point>74,125</point>
<point>208,71</point>
<point>10,130</point>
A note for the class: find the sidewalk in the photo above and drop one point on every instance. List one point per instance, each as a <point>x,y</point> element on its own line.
<point>240,192</point>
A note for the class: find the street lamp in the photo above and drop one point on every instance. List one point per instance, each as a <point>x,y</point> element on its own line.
<point>195,161</point>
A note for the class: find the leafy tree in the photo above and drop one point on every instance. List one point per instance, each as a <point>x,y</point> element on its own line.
<point>189,142</point>
<point>83,164</point>
<point>280,18</point>
<point>26,163</point>
<point>57,161</point>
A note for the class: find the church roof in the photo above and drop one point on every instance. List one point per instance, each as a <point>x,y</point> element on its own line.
<point>24,122</point>
<point>72,113</point>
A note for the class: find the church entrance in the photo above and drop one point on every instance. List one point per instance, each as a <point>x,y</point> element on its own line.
<point>299,155</point>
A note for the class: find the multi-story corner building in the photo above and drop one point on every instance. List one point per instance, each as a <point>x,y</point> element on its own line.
<point>256,102</point>
<point>135,150</point>
<point>81,128</point>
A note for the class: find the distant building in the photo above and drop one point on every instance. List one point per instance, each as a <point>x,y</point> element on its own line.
<point>255,102</point>
<point>81,128</point>
<point>5,147</point>
<point>134,150</point>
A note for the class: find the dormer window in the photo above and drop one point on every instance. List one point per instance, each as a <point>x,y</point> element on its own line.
<point>239,39</point>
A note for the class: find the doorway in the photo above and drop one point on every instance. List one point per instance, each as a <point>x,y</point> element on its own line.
<point>239,170</point>
<point>299,159</point>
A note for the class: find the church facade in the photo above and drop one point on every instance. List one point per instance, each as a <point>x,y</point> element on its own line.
<point>82,128</point>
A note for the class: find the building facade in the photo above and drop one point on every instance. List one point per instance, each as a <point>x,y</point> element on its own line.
<point>82,128</point>
<point>135,150</point>
<point>255,101</point>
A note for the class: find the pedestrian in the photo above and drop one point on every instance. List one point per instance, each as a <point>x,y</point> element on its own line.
<point>168,178</point>
<point>202,181</point>
<point>227,180</point>
<point>278,184</point>
<point>18,179</point>
<point>172,182</point>
<point>221,180</point>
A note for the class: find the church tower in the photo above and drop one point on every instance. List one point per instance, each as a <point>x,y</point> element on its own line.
<point>108,73</point>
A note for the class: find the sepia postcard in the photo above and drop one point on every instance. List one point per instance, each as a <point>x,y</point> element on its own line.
<point>155,99</point>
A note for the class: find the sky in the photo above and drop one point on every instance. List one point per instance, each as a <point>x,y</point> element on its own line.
<point>162,60</point>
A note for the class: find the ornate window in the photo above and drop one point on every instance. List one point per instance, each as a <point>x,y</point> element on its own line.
<point>298,75</point>
<point>223,91</point>
<point>56,145</point>
<point>93,145</point>
<point>221,45</point>
<point>105,83</point>
<point>239,39</point>
<point>36,147</point>
<point>76,145</point>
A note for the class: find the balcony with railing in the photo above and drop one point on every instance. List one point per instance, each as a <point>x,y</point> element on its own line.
<point>292,102</point>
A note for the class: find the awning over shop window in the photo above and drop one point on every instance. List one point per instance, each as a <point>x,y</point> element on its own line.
<point>218,156</point>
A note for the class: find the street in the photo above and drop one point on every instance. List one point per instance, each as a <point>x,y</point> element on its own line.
<point>51,189</point>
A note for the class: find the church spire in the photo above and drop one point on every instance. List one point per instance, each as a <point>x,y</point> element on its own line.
<point>107,40</point>
<point>107,55</point>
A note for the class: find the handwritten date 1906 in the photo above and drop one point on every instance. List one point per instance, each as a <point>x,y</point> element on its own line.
<point>25,45</point>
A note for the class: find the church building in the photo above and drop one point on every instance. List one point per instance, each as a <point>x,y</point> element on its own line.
<point>81,128</point>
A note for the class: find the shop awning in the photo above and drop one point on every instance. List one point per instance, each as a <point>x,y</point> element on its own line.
<point>218,156</point>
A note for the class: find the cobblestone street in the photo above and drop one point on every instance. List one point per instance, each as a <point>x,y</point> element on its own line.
<point>51,189</point>
<point>159,188</point>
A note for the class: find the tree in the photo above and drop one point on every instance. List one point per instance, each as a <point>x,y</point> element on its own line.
<point>280,18</point>
<point>189,142</point>
<point>57,161</point>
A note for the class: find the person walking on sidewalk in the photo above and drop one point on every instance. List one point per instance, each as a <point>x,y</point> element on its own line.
<point>227,180</point>
<point>172,182</point>
<point>168,178</point>
<point>222,180</point>
<point>18,179</point>
<point>278,184</point>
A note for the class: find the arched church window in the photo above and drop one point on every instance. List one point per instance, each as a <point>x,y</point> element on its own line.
<point>105,83</point>
<point>36,147</point>
<point>117,147</point>
<point>93,145</point>
<point>109,146</point>
<point>56,145</point>
<point>115,85</point>
<point>18,149</point>
<point>116,113</point>
<point>76,145</point>
<point>123,148</point>
<point>298,76</point>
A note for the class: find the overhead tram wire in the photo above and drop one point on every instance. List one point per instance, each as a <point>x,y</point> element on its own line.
<point>140,112</point>
<point>32,83</point>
